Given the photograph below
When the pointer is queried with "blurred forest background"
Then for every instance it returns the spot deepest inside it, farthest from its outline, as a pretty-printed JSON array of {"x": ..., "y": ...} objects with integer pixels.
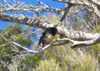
[{"x": 56, "y": 58}]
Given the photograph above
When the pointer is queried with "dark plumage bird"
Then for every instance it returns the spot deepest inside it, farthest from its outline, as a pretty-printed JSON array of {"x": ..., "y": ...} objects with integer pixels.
[{"x": 48, "y": 36}]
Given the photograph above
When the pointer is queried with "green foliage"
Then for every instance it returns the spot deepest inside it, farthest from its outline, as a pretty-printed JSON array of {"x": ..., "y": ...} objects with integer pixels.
[
  {"x": 17, "y": 34},
  {"x": 51, "y": 19},
  {"x": 13, "y": 33},
  {"x": 81, "y": 61},
  {"x": 12, "y": 30},
  {"x": 20, "y": 69},
  {"x": 96, "y": 49},
  {"x": 48, "y": 65},
  {"x": 31, "y": 60},
  {"x": 59, "y": 58},
  {"x": 25, "y": 41},
  {"x": 70, "y": 59}
]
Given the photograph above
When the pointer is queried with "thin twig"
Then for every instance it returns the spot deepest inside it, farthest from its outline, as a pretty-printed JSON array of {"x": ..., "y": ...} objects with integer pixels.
[{"x": 8, "y": 41}]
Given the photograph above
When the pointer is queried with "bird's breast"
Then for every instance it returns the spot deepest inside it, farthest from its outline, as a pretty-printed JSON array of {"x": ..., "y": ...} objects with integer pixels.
[{"x": 50, "y": 38}]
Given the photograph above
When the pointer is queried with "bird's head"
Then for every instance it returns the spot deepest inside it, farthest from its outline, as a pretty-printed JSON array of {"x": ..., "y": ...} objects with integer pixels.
[{"x": 52, "y": 30}]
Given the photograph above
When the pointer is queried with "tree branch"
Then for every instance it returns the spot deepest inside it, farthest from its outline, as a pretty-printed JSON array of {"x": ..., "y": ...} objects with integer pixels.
[
  {"x": 28, "y": 8},
  {"x": 75, "y": 35},
  {"x": 60, "y": 42},
  {"x": 8, "y": 41},
  {"x": 66, "y": 10},
  {"x": 92, "y": 4}
]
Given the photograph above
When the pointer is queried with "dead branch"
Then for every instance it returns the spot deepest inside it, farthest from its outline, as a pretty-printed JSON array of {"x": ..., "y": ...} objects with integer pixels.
[
  {"x": 60, "y": 42},
  {"x": 75, "y": 35}
]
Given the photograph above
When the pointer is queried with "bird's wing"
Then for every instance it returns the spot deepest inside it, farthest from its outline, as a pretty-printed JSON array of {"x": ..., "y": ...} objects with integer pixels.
[
  {"x": 43, "y": 34},
  {"x": 40, "y": 40}
]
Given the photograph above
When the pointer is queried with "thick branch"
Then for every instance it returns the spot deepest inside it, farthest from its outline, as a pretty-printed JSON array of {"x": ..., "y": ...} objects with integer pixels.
[
  {"x": 80, "y": 43},
  {"x": 76, "y": 35},
  {"x": 92, "y": 4},
  {"x": 66, "y": 10},
  {"x": 60, "y": 42}
]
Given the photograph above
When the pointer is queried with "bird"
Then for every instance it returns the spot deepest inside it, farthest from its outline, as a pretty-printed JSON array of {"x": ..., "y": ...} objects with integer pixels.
[{"x": 48, "y": 36}]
